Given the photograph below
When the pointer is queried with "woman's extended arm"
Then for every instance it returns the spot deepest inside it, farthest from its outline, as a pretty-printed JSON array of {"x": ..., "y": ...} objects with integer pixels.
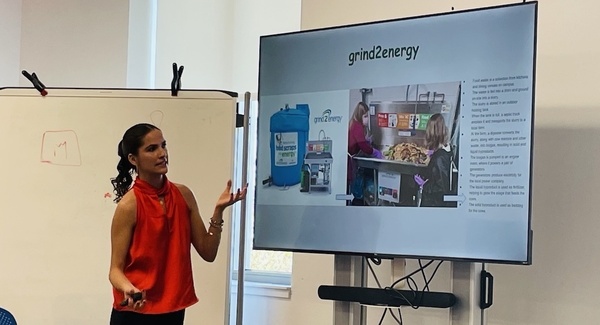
[
  {"x": 357, "y": 133},
  {"x": 206, "y": 241}
]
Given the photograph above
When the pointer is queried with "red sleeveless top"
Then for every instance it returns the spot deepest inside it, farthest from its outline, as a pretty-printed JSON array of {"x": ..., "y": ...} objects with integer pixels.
[{"x": 159, "y": 260}]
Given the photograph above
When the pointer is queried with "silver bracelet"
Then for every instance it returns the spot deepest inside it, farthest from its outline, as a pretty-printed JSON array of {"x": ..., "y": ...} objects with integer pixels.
[{"x": 216, "y": 224}]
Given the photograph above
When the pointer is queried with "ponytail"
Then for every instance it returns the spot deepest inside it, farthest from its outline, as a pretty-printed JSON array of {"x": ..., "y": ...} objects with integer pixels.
[
  {"x": 122, "y": 182},
  {"x": 132, "y": 141}
]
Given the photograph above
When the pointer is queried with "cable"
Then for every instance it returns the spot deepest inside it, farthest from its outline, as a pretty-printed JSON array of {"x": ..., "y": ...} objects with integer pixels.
[
  {"x": 382, "y": 316},
  {"x": 411, "y": 274},
  {"x": 409, "y": 283},
  {"x": 373, "y": 272},
  {"x": 434, "y": 271},
  {"x": 375, "y": 260},
  {"x": 412, "y": 284},
  {"x": 399, "y": 319},
  {"x": 424, "y": 276},
  {"x": 427, "y": 281}
]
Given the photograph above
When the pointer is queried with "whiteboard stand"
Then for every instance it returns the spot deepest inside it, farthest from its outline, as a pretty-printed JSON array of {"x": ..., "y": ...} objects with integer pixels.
[
  {"x": 66, "y": 141},
  {"x": 466, "y": 285},
  {"x": 349, "y": 271},
  {"x": 239, "y": 319}
]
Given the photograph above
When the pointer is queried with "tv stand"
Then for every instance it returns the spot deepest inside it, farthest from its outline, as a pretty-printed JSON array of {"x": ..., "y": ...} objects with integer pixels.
[{"x": 387, "y": 296}]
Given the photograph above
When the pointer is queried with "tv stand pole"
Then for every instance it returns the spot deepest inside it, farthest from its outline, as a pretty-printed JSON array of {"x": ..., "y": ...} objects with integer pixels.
[
  {"x": 467, "y": 281},
  {"x": 349, "y": 271}
]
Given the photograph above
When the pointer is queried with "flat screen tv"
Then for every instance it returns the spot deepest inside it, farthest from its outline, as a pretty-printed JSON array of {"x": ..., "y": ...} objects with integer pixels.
[{"x": 400, "y": 138}]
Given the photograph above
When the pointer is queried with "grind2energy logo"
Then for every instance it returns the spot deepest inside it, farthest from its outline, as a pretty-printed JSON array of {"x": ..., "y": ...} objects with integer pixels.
[
  {"x": 379, "y": 52},
  {"x": 326, "y": 117}
]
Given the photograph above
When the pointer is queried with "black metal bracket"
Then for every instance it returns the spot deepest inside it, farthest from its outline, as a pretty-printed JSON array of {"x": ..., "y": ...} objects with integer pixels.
[
  {"x": 239, "y": 120},
  {"x": 33, "y": 78},
  {"x": 176, "y": 82},
  {"x": 486, "y": 290}
]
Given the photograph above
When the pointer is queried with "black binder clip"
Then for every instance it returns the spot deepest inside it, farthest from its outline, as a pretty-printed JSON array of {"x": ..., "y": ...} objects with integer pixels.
[
  {"x": 36, "y": 82},
  {"x": 176, "y": 83}
]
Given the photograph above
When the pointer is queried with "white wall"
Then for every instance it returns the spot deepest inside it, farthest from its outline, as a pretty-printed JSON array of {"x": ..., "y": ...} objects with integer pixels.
[
  {"x": 85, "y": 44},
  {"x": 304, "y": 306},
  {"x": 252, "y": 19},
  {"x": 219, "y": 49},
  {"x": 560, "y": 287},
  {"x": 197, "y": 35},
  {"x": 141, "y": 49},
  {"x": 73, "y": 43},
  {"x": 10, "y": 42},
  {"x": 217, "y": 41}
]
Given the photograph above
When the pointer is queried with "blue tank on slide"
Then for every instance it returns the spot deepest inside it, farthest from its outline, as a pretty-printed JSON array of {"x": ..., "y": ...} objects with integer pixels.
[{"x": 289, "y": 134}]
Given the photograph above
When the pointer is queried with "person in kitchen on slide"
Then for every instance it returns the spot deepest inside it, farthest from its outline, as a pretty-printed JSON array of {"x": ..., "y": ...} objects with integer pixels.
[
  {"x": 154, "y": 226},
  {"x": 435, "y": 181},
  {"x": 359, "y": 144}
]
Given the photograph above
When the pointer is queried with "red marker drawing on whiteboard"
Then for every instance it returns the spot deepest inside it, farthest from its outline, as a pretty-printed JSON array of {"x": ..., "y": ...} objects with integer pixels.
[{"x": 60, "y": 148}]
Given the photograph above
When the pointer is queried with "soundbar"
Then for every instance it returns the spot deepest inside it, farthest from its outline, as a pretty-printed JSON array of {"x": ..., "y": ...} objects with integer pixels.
[{"x": 387, "y": 296}]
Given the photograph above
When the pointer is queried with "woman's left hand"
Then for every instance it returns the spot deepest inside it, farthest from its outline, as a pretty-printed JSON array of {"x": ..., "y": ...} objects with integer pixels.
[
  {"x": 420, "y": 181},
  {"x": 228, "y": 198}
]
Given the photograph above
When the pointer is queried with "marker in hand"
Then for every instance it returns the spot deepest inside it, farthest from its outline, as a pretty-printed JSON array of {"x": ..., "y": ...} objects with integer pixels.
[{"x": 136, "y": 296}]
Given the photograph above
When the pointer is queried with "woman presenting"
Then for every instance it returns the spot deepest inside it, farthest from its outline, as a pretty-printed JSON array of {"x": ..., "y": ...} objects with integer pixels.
[{"x": 154, "y": 226}]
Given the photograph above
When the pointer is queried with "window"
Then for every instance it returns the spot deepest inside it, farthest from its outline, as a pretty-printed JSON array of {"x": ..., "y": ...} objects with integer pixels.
[
  {"x": 262, "y": 267},
  {"x": 270, "y": 261}
]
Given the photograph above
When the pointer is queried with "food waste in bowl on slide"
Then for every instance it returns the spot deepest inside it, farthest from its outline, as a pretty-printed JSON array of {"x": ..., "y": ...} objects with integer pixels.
[{"x": 407, "y": 152}]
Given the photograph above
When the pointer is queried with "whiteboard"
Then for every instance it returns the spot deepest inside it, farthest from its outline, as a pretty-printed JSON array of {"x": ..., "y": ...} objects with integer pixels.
[{"x": 60, "y": 152}]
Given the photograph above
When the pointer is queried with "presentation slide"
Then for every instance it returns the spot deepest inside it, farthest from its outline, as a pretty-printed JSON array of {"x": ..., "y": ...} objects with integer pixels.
[{"x": 409, "y": 137}]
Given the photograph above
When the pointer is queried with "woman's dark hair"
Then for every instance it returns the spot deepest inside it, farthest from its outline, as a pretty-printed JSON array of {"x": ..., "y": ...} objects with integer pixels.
[{"x": 130, "y": 144}]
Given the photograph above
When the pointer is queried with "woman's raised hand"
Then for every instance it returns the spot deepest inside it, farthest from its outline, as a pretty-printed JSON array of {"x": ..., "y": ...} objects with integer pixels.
[{"x": 228, "y": 198}]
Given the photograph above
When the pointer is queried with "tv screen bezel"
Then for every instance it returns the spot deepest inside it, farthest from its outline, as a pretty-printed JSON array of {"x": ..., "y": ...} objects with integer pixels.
[{"x": 528, "y": 261}]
